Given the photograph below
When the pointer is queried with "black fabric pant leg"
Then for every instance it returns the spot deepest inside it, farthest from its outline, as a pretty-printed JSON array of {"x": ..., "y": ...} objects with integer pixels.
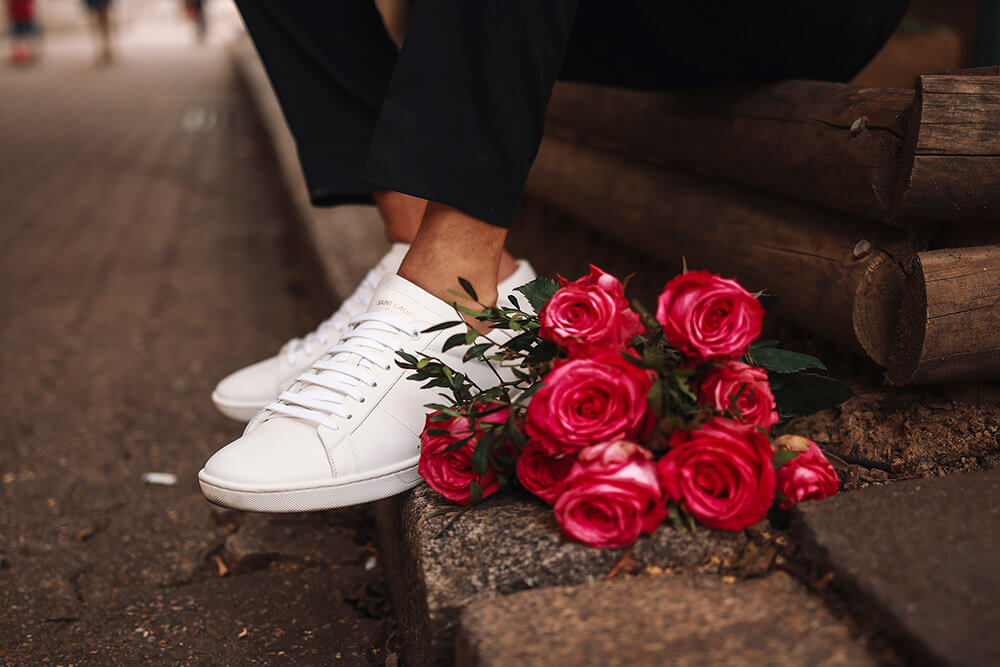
[
  {"x": 657, "y": 45},
  {"x": 330, "y": 63},
  {"x": 464, "y": 114}
]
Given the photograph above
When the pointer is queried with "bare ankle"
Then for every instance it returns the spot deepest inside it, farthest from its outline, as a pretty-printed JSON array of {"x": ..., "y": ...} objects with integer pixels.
[{"x": 401, "y": 214}]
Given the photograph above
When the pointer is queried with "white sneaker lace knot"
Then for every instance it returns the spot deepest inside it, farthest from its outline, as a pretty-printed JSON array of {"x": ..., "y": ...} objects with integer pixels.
[
  {"x": 331, "y": 328},
  {"x": 369, "y": 343}
]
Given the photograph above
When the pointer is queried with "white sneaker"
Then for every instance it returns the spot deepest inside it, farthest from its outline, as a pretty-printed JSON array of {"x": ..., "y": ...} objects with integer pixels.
[
  {"x": 246, "y": 392},
  {"x": 348, "y": 432}
]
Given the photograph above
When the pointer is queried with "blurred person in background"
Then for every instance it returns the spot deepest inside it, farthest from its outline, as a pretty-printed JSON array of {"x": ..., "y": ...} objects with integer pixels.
[
  {"x": 24, "y": 31},
  {"x": 100, "y": 13}
]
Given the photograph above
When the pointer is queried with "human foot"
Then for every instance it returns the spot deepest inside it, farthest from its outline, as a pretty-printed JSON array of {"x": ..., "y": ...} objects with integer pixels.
[
  {"x": 348, "y": 431},
  {"x": 243, "y": 394}
]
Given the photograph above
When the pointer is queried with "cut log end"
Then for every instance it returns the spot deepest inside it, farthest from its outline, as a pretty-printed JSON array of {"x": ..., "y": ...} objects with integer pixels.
[
  {"x": 949, "y": 325},
  {"x": 876, "y": 303},
  {"x": 911, "y": 329}
]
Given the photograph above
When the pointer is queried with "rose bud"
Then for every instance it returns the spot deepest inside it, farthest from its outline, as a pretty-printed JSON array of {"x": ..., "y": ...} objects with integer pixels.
[
  {"x": 733, "y": 378},
  {"x": 542, "y": 473},
  {"x": 451, "y": 473},
  {"x": 722, "y": 472},
  {"x": 589, "y": 313},
  {"x": 809, "y": 476},
  {"x": 611, "y": 496},
  {"x": 790, "y": 443},
  {"x": 583, "y": 401},
  {"x": 709, "y": 317}
]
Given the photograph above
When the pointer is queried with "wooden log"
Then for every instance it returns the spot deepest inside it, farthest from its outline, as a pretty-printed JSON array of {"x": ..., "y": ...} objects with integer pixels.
[
  {"x": 834, "y": 276},
  {"x": 828, "y": 144},
  {"x": 951, "y": 171},
  {"x": 949, "y": 324}
]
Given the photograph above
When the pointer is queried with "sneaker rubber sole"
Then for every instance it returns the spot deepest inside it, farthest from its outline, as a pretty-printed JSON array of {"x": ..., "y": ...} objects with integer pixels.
[{"x": 354, "y": 492}]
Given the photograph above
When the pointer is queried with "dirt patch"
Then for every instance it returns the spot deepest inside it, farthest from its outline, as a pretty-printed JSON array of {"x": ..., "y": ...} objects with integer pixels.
[{"x": 889, "y": 434}]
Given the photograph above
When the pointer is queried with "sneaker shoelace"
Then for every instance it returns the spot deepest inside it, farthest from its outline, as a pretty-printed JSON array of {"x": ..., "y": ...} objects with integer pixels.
[
  {"x": 331, "y": 328},
  {"x": 369, "y": 342}
]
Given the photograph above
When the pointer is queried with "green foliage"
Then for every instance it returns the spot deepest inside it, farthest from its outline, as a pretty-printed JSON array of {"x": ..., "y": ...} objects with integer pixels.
[
  {"x": 538, "y": 292},
  {"x": 782, "y": 457},
  {"x": 782, "y": 361},
  {"x": 806, "y": 393}
]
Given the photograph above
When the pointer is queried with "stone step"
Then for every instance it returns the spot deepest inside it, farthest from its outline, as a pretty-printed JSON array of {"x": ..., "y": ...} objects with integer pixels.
[
  {"x": 507, "y": 544},
  {"x": 658, "y": 620},
  {"x": 918, "y": 560}
]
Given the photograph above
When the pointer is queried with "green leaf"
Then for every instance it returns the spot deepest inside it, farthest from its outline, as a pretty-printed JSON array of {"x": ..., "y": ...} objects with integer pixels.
[
  {"x": 767, "y": 300},
  {"x": 467, "y": 287},
  {"x": 475, "y": 492},
  {"x": 407, "y": 357},
  {"x": 784, "y": 361},
  {"x": 763, "y": 342},
  {"x": 453, "y": 341},
  {"x": 442, "y": 326},
  {"x": 481, "y": 455},
  {"x": 476, "y": 351},
  {"x": 538, "y": 292},
  {"x": 808, "y": 393},
  {"x": 513, "y": 301},
  {"x": 782, "y": 457},
  {"x": 458, "y": 444}
]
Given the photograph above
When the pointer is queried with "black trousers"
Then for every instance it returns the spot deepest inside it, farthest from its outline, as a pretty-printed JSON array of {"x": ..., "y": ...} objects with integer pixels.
[{"x": 457, "y": 116}]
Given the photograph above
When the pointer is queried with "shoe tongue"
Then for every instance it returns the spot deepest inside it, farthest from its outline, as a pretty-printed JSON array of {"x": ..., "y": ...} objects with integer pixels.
[{"x": 399, "y": 296}]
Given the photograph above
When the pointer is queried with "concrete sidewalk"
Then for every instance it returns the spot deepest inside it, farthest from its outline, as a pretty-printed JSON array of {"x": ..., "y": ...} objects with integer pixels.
[{"x": 142, "y": 257}]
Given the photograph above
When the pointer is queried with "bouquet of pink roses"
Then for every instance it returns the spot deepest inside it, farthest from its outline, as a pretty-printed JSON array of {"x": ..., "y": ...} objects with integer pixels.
[{"x": 621, "y": 420}]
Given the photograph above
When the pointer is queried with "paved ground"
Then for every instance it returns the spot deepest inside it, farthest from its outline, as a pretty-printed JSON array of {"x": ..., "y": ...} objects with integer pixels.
[{"x": 142, "y": 258}]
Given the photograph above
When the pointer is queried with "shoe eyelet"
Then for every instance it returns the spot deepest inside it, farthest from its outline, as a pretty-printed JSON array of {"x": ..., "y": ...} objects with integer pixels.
[
  {"x": 415, "y": 335},
  {"x": 362, "y": 400},
  {"x": 374, "y": 384}
]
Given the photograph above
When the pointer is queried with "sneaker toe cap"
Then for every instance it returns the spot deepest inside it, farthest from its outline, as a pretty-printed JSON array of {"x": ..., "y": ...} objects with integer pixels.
[
  {"x": 277, "y": 455},
  {"x": 259, "y": 383}
]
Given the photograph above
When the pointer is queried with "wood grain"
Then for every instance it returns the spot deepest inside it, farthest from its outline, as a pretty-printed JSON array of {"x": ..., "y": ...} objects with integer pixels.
[
  {"x": 828, "y": 144},
  {"x": 806, "y": 256},
  {"x": 949, "y": 325}
]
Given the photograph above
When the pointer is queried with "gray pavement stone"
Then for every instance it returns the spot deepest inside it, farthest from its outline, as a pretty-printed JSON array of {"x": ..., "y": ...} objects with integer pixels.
[
  {"x": 918, "y": 560},
  {"x": 505, "y": 545},
  {"x": 142, "y": 258},
  {"x": 659, "y": 620}
]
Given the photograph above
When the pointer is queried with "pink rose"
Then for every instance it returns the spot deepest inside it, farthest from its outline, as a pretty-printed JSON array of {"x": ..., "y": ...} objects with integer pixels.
[
  {"x": 589, "y": 313},
  {"x": 707, "y": 316},
  {"x": 542, "y": 473},
  {"x": 585, "y": 401},
  {"x": 809, "y": 476},
  {"x": 756, "y": 402},
  {"x": 722, "y": 472},
  {"x": 451, "y": 473},
  {"x": 611, "y": 496}
]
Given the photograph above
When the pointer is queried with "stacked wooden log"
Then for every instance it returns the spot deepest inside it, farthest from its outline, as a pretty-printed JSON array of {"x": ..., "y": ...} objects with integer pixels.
[{"x": 828, "y": 195}]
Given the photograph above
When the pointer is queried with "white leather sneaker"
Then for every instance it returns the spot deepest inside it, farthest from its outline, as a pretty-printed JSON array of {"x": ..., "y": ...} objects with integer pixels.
[
  {"x": 348, "y": 431},
  {"x": 246, "y": 392}
]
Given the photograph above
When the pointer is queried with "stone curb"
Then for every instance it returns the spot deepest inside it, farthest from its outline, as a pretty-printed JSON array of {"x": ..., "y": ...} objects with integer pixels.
[
  {"x": 915, "y": 562},
  {"x": 686, "y": 619}
]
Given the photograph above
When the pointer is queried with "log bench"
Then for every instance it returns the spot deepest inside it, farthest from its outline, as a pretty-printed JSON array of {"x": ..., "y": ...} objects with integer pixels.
[{"x": 824, "y": 194}]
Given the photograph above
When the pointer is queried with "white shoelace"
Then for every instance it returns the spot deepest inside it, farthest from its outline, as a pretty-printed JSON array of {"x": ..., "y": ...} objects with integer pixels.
[
  {"x": 330, "y": 329},
  {"x": 369, "y": 342}
]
